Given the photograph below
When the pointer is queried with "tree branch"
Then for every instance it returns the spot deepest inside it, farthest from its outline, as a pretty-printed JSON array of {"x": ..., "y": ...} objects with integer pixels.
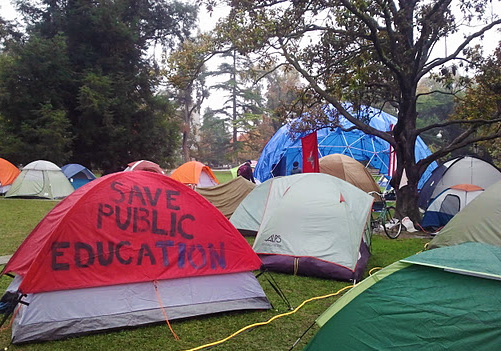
[
  {"x": 437, "y": 62},
  {"x": 329, "y": 98},
  {"x": 476, "y": 122}
]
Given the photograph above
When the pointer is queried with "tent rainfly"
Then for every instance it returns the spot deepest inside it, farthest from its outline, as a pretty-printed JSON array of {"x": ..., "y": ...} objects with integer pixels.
[
  {"x": 309, "y": 224},
  {"x": 346, "y": 168},
  {"x": 226, "y": 197},
  {"x": 479, "y": 221},
  {"x": 194, "y": 174},
  {"x": 460, "y": 170},
  {"x": 448, "y": 203},
  {"x": 144, "y": 165},
  {"x": 442, "y": 299},
  {"x": 284, "y": 147},
  {"x": 124, "y": 250},
  {"x": 8, "y": 173},
  {"x": 41, "y": 179},
  {"x": 77, "y": 174}
]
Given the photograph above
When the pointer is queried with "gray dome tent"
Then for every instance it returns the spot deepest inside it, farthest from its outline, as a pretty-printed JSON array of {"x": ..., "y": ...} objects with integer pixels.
[
  {"x": 460, "y": 170},
  {"x": 309, "y": 224},
  {"x": 41, "y": 179}
]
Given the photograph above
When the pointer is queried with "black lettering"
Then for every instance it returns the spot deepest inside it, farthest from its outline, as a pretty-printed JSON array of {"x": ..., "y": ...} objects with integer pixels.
[
  {"x": 170, "y": 199},
  {"x": 180, "y": 228},
  {"x": 119, "y": 256},
  {"x": 114, "y": 186},
  {"x": 173, "y": 220},
  {"x": 201, "y": 251},
  {"x": 58, "y": 266},
  {"x": 119, "y": 223},
  {"x": 136, "y": 192},
  {"x": 101, "y": 212},
  {"x": 181, "y": 258},
  {"x": 80, "y": 250},
  {"x": 145, "y": 251},
  {"x": 105, "y": 261},
  {"x": 217, "y": 257},
  {"x": 164, "y": 245},
  {"x": 154, "y": 224},
  {"x": 142, "y": 218},
  {"x": 152, "y": 201}
]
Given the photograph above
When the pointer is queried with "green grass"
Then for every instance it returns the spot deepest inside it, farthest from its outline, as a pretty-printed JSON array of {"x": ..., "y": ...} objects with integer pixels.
[
  {"x": 223, "y": 176},
  {"x": 19, "y": 217}
]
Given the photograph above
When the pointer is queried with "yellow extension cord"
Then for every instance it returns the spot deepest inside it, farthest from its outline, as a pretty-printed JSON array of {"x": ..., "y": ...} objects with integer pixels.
[{"x": 271, "y": 319}]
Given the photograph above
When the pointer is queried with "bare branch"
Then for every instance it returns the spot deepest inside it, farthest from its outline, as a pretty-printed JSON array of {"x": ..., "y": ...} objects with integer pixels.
[
  {"x": 476, "y": 122},
  {"x": 437, "y": 62}
]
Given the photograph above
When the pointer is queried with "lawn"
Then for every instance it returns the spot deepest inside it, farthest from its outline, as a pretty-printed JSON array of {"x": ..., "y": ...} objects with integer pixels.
[{"x": 19, "y": 217}]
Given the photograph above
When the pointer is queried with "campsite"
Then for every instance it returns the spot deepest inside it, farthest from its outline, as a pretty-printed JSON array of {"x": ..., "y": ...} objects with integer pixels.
[
  {"x": 250, "y": 175},
  {"x": 22, "y": 215}
]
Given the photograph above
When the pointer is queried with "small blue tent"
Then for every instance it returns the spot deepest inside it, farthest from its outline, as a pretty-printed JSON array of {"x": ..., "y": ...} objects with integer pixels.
[
  {"x": 77, "y": 174},
  {"x": 285, "y": 147}
]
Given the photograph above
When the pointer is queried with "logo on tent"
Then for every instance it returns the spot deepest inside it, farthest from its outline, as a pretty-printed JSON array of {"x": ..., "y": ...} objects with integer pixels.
[{"x": 275, "y": 238}]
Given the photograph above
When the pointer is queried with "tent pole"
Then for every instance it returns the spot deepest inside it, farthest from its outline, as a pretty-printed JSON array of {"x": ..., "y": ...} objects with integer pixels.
[
  {"x": 299, "y": 339},
  {"x": 275, "y": 287}
]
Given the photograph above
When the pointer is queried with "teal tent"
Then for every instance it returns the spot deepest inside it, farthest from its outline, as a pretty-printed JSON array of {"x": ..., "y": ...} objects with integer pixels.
[{"x": 443, "y": 299}]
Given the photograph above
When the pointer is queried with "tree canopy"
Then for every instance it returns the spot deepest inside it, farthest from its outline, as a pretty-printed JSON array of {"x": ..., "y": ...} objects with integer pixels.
[
  {"x": 81, "y": 85},
  {"x": 369, "y": 53}
]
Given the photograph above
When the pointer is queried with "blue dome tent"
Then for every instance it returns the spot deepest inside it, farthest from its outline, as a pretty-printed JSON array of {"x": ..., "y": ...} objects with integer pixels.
[
  {"x": 285, "y": 147},
  {"x": 77, "y": 174}
]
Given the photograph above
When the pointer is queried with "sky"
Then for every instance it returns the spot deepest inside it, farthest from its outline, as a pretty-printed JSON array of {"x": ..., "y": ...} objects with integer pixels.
[{"x": 208, "y": 21}]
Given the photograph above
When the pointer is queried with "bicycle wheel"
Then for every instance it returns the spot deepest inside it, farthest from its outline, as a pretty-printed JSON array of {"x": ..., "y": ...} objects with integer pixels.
[{"x": 392, "y": 223}]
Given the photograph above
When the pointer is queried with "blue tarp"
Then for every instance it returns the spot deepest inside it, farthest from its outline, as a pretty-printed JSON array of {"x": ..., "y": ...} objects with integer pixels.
[{"x": 286, "y": 146}]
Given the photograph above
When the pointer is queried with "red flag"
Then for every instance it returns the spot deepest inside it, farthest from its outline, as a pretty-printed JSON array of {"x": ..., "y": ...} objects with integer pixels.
[{"x": 310, "y": 153}]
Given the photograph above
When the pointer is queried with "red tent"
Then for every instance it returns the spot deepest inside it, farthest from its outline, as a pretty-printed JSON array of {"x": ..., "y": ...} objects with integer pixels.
[
  {"x": 128, "y": 229},
  {"x": 144, "y": 165}
]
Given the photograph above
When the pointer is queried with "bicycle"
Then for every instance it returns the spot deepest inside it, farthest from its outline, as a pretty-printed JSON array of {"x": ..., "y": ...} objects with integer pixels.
[{"x": 385, "y": 216}]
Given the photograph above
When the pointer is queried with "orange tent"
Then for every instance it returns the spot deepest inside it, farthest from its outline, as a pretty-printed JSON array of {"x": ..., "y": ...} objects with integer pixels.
[
  {"x": 194, "y": 173},
  {"x": 8, "y": 172}
]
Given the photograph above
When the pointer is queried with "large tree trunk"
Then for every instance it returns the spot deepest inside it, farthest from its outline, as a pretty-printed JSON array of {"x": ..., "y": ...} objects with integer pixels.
[{"x": 407, "y": 177}]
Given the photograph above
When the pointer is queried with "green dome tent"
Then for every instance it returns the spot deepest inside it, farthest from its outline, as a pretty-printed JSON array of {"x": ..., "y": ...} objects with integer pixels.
[
  {"x": 41, "y": 179},
  {"x": 442, "y": 299},
  {"x": 309, "y": 224}
]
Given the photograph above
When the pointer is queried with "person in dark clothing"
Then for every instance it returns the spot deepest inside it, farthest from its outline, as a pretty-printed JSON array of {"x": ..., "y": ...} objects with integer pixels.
[
  {"x": 295, "y": 168},
  {"x": 245, "y": 171}
]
